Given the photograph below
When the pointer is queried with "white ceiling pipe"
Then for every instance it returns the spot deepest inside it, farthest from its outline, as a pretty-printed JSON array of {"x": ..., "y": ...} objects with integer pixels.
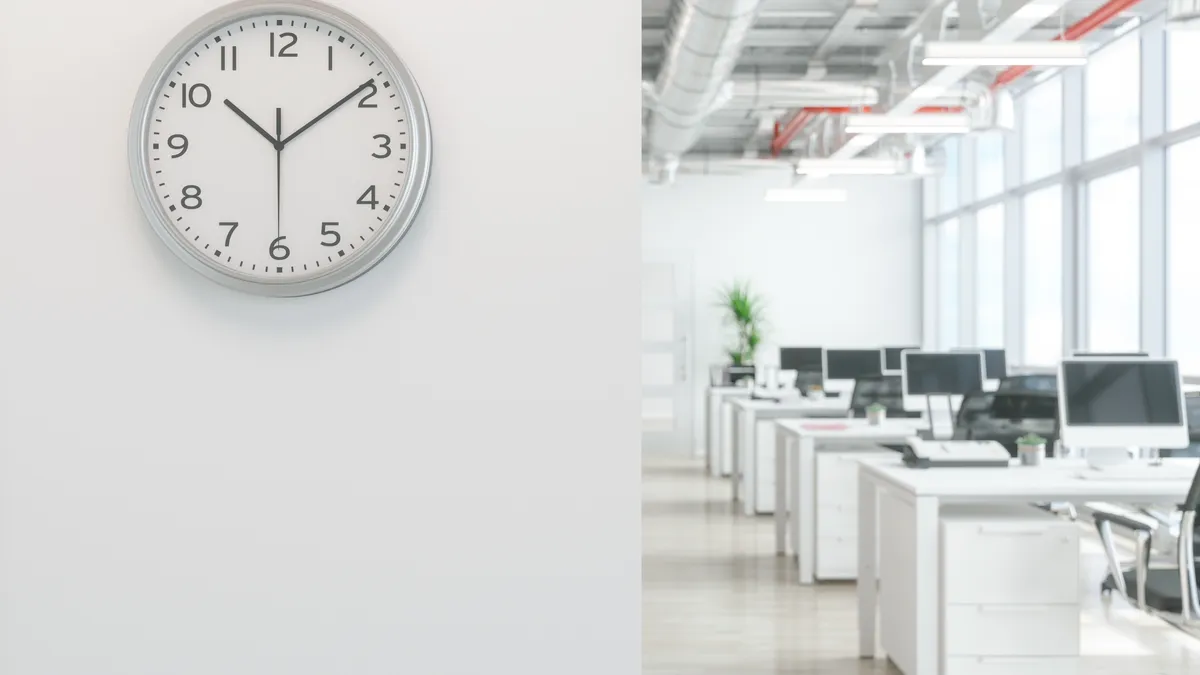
[{"x": 1016, "y": 19}]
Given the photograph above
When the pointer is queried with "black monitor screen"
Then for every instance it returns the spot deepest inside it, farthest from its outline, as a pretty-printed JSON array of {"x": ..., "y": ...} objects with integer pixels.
[
  {"x": 851, "y": 364},
  {"x": 891, "y": 358},
  {"x": 995, "y": 363},
  {"x": 943, "y": 373},
  {"x": 801, "y": 359},
  {"x": 1115, "y": 393}
]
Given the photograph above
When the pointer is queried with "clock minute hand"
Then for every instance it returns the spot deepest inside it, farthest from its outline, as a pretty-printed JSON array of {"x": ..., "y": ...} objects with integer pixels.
[
  {"x": 275, "y": 143},
  {"x": 331, "y": 108}
]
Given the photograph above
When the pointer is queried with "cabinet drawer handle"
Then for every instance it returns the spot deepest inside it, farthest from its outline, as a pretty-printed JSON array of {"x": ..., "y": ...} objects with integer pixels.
[
  {"x": 1013, "y": 532},
  {"x": 1013, "y": 609}
]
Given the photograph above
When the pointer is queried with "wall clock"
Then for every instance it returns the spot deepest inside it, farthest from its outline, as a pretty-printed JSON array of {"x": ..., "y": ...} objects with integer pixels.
[{"x": 279, "y": 148}]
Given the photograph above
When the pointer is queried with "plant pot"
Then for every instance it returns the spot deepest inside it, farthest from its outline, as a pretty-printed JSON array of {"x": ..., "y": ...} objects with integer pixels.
[
  {"x": 876, "y": 417},
  {"x": 1031, "y": 455}
]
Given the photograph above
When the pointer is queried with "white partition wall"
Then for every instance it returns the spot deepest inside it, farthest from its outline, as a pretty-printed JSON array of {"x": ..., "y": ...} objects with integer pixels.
[{"x": 195, "y": 481}]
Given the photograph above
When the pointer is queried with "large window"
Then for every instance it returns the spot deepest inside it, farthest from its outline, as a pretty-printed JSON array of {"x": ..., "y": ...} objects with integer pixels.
[
  {"x": 1112, "y": 97},
  {"x": 1183, "y": 96},
  {"x": 1113, "y": 288},
  {"x": 989, "y": 277},
  {"x": 1041, "y": 272},
  {"x": 1183, "y": 239},
  {"x": 989, "y": 164},
  {"x": 948, "y": 188},
  {"x": 948, "y": 283},
  {"x": 1041, "y": 129}
]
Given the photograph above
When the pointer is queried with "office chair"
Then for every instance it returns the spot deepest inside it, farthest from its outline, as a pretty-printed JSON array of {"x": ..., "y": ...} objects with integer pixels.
[
  {"x": 1029, "y": 383},
  {"x": 1165, "y": 590},
  {"x": 975, "y": 407},
  {"x": 1191, "y": 403},
  {"x": 885, "y": 390}
]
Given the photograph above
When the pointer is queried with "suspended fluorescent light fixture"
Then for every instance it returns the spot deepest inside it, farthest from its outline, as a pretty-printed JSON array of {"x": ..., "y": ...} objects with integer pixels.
[
  {"x": 864, "y": 166},
  {"x": 923, "y": 123},
  {"x": 1039, "y": 9},
  {"x": 1053, "y": 53},
  {"x": 809, "y": 195}
]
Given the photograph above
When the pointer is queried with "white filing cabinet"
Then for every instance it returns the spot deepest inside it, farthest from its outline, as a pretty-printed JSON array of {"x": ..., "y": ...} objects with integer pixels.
[
  {"x": 837, "y": 510},
  {"x": 1009, "y": 596}
]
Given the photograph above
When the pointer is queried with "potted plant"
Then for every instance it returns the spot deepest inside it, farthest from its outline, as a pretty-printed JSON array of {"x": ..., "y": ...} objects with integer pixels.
[
  {"x": 743, "y": 309},
  {"x": 1031, "y": 449},
  {"x": 876, "y": 413}
]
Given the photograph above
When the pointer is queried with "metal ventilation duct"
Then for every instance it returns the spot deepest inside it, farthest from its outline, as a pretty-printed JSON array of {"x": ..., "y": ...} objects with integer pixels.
[{"x": 703, "y": 42}]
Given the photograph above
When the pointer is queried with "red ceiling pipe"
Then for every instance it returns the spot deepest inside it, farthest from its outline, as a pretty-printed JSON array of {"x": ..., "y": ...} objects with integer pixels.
[
  {"x": 786, "y": 133},
  {"x": 845, "y": 110},
  {"x": 784, "y": 136},
  {"x": 1107, "y": 12}
]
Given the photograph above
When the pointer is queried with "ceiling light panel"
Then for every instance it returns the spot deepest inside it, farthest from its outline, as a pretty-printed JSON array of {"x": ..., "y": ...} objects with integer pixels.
[
  {"x": 1053, "y": 53},
  {"x": 922, "y": 123}
]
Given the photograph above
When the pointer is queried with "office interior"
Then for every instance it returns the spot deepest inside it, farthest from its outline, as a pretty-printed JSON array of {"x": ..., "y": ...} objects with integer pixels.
[{"x": 916, "y": 399}]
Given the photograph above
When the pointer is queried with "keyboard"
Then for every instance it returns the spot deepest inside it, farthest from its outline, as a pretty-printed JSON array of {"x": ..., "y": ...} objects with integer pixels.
[{"x": 1140, "y": 472}]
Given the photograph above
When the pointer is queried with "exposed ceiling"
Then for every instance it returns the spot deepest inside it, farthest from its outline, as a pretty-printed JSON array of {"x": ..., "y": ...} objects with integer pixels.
[{"x": 835, "y": 41}]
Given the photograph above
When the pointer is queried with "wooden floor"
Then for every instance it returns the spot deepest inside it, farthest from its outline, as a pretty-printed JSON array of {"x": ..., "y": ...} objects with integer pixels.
[{"x": 718, "y": 601}]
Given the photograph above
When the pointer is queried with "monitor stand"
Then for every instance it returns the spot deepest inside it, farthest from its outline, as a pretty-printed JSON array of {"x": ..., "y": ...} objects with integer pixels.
[
  {"x": 1097, "y": 457},
  {"x": 941, "y": 416}
]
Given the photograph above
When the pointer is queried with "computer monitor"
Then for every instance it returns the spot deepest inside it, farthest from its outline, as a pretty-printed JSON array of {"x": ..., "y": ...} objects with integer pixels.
[
  {"x": 734, "y": 375},
  {"x": 1121, "y": 402},
  {"x": 952, "y": 374},
  {"x": 851, "y": 364},
  {"x": 802, "y": 359},
  {"x": 1109, "y": 355},
  {"x": 892, "y": 363},
  {"x": 995, "y": 363}
]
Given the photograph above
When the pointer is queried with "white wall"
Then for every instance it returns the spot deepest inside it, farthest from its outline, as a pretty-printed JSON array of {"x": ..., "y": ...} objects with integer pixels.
[
  {"x": 375, "y": 480},
  {"x": 833, "y": 274}
]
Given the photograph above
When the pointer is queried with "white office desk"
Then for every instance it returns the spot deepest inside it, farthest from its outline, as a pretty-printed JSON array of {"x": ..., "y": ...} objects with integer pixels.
[
  {"x": 914, "y": 497},
  {"x": 754, "y": 444},
  {"x": 796, "y": 465},
  {"x": 715, "y": 428}
]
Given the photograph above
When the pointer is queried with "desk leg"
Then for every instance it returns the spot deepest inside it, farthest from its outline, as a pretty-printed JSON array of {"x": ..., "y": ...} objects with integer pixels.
[
  {"x": 735, "y": 474},
  {"x": 726, "y": 440},
  {"x": 782, "y": 441},
  {"x": 804, "y": 517},
  {"x": 925, "y": 586},
  {"x": 749, "y": 462},
  {"x": 708, "y": 434},
  {"x": 868, "y": 574}
]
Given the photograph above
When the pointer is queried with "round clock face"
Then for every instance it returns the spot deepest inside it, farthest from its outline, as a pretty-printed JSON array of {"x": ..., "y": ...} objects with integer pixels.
[{"x": 280, "y": 147}]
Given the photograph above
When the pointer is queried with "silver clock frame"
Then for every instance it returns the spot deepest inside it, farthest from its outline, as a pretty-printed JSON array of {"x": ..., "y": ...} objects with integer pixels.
[{"x": 401, "y": 217}]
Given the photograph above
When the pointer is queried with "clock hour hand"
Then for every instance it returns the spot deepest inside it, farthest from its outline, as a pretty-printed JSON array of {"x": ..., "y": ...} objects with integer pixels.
[
  {"x": 275, "y": 142},
  {"x": 335, "y": 106}
]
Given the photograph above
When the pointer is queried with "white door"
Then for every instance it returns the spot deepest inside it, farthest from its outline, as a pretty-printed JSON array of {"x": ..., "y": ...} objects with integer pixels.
[{"x": 666, "y": 351}]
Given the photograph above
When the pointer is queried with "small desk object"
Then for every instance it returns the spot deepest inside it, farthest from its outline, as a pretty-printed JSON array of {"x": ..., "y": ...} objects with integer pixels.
[
  {"x": 816, "y": 464},
  {"x": 923, "y": 454},
  {"x": 898, "y": 522},
  {"x": 754, "y": 444}
]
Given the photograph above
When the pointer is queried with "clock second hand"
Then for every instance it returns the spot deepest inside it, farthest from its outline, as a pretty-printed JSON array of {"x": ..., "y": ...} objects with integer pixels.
[{"x": 278, "y": 172}]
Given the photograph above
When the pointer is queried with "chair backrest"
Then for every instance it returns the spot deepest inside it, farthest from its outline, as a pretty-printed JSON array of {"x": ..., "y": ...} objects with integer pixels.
[
  {"x": 1192, "y": 500},
  {"x": 885, "y": 390},
  {"x": 1191, "y": 403},
  {"x": 974, "y": 406},
  {"x": 1016, "y": 413},
  {"x": 1029, "y": 383}
]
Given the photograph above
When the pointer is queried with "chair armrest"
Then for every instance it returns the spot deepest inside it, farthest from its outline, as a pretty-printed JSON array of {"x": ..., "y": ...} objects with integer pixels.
[{"x": 1121, "y": 520}]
